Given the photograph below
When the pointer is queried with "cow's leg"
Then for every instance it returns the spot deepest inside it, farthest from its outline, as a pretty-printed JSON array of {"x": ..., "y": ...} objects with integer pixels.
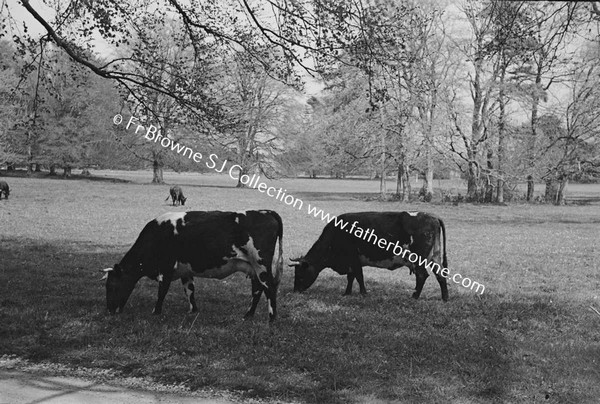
[
  {"x": 257, "y": 290},
  {"x": 163, "y": 288},
  {"x": 349, "y": 286},
  {"x": 188, "y": 287},
  {"x": 268, "y": 285},
  {"x": 422, "y": 275},
  {"x": 361, "y": 280},
  {"x": 355, "y": 272},
  {"x": 271, "y": 295},
  {"x": 443, "y": 286}
]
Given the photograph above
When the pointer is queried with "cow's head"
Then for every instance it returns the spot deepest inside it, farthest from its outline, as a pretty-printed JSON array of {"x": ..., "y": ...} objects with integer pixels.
[
  {"x": 305, "y": 274},
  {"x": 183, "y": 199},
  {"x": 119, "y": 285}
]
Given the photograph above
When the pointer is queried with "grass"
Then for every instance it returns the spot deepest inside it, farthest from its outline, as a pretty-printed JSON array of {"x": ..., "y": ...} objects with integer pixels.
[{"x": 531, "y": 337}]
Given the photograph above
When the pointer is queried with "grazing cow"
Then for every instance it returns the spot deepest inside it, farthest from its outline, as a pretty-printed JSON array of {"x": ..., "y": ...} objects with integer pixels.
[
  {"x": 177, "y": 194},
  {"x": 202, "y": 244},
  {"x": 344, "y": 247},
  {"x": 4, "y": 189}
]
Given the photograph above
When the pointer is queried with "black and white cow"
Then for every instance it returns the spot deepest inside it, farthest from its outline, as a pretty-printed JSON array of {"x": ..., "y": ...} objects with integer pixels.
[
  {"x": 4, "y": 189},
  {"x": 176, "y": 193},
  {"x": 376, "y": 239},
  {"x": 201, "y": 244}
]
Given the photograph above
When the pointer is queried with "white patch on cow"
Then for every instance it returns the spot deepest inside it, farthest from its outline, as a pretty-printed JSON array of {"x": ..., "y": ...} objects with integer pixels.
[
  {"x": 270, "y": 307},
  {"x": 237, "y": 220},
  {"x": 392, "y": 263},
  {"x": 239, "y": 261},
  {"x": 172, "y": 217},
  {"x": 411, "y": 240},
  {"x": 413, "y": 213},
  {"x": 188, "y": 292},
  {"x": 232, "y": 266},
  {"x": 160, "y": 277},
  {"x": 253, "y": 257}
]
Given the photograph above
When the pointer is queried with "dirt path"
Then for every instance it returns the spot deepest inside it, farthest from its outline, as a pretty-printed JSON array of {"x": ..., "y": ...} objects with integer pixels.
[
  {"x": 24, "y": 382},
  {"x": 23, "y": 387}
]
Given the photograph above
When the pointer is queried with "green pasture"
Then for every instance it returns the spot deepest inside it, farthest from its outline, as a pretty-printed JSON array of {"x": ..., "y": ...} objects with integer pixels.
[{"x": 531, "y": 337}]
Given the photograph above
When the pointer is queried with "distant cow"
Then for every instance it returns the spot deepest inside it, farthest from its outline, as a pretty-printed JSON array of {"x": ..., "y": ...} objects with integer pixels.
[
  {"x": 201, "y": 244},
  {"x": 343, "y": 248},
  {"x": 177, "y": 194},
  {"x": 4, "y": 189}
]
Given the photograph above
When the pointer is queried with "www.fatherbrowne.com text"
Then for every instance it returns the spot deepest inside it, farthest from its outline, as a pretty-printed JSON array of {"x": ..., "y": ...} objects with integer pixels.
[{"x": 151, "y": 133}]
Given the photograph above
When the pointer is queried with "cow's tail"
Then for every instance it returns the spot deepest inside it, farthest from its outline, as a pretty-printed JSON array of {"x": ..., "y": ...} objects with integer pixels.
[
  {"x": 168, "y": 196},
  {"x": 444, "y": 256},
  {"x": 279, "y": 262}
]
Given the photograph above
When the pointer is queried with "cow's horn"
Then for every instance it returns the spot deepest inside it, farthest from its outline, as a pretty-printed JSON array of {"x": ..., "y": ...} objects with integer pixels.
[
  {"x": 296, "y": 259},
  {"x": 107, "y": 270},
  {"x": 105, "y": 276}
]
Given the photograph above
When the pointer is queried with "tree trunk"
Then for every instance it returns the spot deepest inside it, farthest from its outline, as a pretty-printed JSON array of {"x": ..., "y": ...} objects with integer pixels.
[
  {"x": 489, "y": 183},
  {"x": 555, "y": 191},
  {"x": 157, "y": 171},
  {"x": 406, "y": 185},
  {"x": 239, "y": 184},
  {"x": 501, "y": 140},
  {"x": 66, "y": 171},
  {"x": 29, "y": 139},
  {"x": 533, "y": 140},
  {"x": 400, "y": 180},
  {"x": 473, "y": 182},
  {"x": 428, "y": 184},
  {"x": 52, "y": 170},
  {"x": 428, "y": 116},
  {"x": 382, "y": 179},
  {"x": 38, "y": 168}
]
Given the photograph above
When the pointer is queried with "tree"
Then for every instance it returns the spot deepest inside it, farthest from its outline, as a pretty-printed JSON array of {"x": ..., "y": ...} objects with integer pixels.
[
  {"x": 253, "y": 111},
  {"x": 572, "y": 148},
  {"x": 70, "y": 101},
  {"x": 10, "y": 109},
  {"x": 551, "y": 24}
]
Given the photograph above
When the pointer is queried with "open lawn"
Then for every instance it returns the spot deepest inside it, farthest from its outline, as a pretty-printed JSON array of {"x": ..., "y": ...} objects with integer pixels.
[{"x": 531, "y": 337}]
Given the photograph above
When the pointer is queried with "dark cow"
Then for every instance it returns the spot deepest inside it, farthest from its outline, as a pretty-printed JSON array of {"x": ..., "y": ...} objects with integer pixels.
[
  {"x": 177, "y": 194},
  {"x": 4, "y": 189},
  {"x": 375, "y": 239},
  {"x": 202, "y": 244}
]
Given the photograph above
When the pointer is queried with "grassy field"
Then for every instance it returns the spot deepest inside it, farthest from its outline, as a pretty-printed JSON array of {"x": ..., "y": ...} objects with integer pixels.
[{"x": 531, "y": 337}]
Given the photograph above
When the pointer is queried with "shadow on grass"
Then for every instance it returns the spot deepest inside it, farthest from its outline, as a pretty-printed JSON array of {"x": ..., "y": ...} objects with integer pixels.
[{"x": 323, "y": 348}]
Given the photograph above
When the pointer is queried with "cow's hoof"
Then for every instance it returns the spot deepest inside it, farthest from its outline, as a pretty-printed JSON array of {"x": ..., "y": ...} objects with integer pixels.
[
  {"x": 416, "y": 295},
  {"x": 156, "y": 312},
  {"x": 363, "y": 293},
  {"x": 347, "y": 294}
]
